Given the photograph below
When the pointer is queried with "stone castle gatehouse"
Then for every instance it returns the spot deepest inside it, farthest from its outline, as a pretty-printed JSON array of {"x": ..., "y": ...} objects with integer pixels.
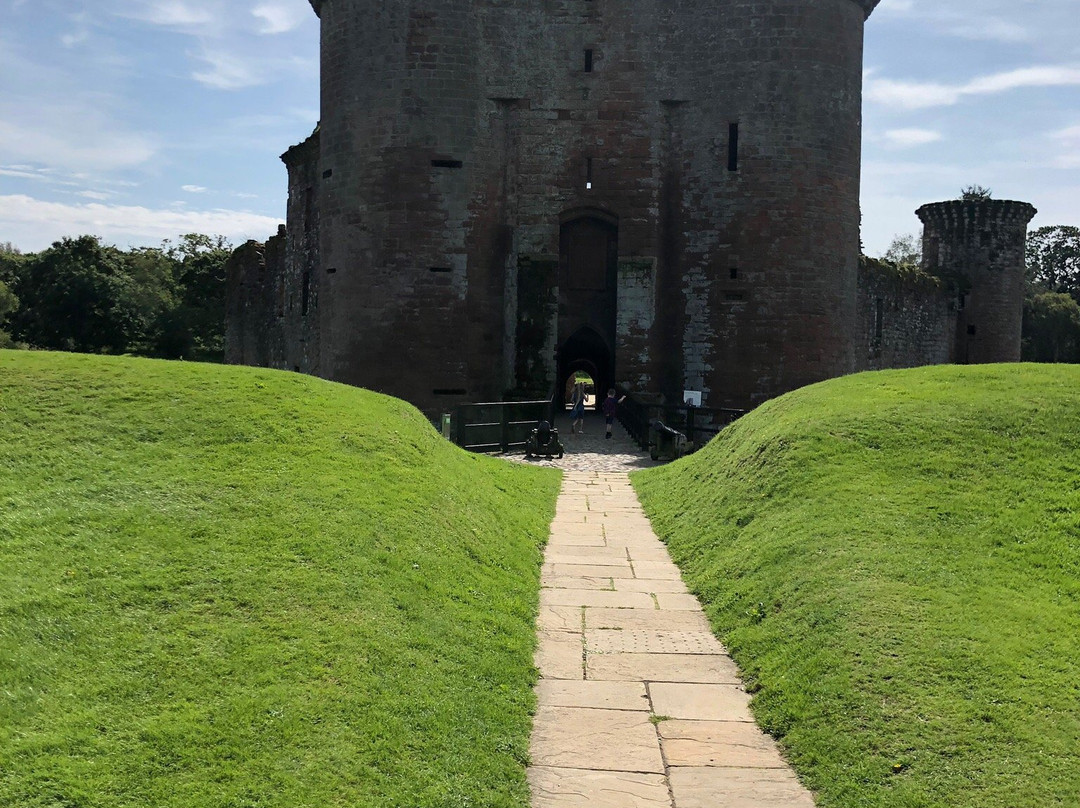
[{"x": 500, "y": 192}]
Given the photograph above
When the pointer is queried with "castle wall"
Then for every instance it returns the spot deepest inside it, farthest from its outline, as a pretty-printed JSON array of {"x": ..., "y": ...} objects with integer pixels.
[{"x": 906, "y": 318}]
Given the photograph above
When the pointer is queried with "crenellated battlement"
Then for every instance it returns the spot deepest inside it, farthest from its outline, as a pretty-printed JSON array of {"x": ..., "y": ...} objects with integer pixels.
[{"x": 961, "y": 214}]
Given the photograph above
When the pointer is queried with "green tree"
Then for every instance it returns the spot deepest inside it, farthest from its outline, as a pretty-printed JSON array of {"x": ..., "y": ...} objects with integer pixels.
[
  {"x": 975, "y": 193},
  {"x": 904, "y": 250},
  {"x": 195, "y": 327},
  {"x": 1051, "y": 328},
  {"x": 80, "y": 295},
  {"x": 1053, "y": 260},
  {"x": 8, "y": 304}
]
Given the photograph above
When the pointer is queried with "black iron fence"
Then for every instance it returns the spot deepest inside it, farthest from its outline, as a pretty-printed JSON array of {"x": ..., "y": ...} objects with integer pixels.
[
  {"x": 699, "y": 424},
  {"x": 498, "y": 426}
]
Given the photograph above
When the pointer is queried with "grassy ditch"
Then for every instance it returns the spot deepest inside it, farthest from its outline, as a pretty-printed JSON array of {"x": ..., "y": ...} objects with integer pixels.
[
  {"x": 894, "y": 561},
  {"x": 223, "y": 586}
]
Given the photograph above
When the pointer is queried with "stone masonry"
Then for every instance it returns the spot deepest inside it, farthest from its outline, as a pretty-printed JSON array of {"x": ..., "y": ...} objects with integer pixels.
[{"x": 502, "y": 192}]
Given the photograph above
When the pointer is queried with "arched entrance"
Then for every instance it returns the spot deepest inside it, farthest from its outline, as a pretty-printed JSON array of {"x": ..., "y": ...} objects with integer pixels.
[
  {"x": 586, "y": 350},
  {"x": 588, "y": 278}
]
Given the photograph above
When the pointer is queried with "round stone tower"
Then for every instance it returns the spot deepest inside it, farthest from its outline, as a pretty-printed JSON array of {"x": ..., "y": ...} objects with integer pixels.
[
  {"x": 771, "y": 213},
  {"x": 980, "y": 246},
  {"x": 665, "y": 194}
]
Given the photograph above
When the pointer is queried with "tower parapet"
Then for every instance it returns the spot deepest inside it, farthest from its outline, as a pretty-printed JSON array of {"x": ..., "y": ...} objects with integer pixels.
[
  {"x": 868, "y": 6},
  {"x": 980, "y": 245}
]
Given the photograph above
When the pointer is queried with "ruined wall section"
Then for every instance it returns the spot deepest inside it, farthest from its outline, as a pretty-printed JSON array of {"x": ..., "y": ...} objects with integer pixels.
[
  {"x": 979, "y": 246},
  {"x": 301, "y": 264},
  {"x": 255, "y": 303},
  {"x": 906, "y": 317}
]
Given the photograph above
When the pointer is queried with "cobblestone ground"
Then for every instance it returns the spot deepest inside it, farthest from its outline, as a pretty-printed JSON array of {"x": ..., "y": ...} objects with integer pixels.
[{"x": 591, "y": 451}]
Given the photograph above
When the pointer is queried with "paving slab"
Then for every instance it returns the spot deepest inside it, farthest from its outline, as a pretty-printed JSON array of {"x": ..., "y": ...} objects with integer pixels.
[
  {"x": 579, "y": 788},
  {"x": 711, "y": 787},
  {"x": 651, "y": 585},
  {"x": 622, "y": 570},
  {"x": 661, "y": 668},
  {"x": 718, "y": 743},
  {"x": 580, "y": 738},
  {"x": 570, "y": 582},
  {"x": 706, "y": 702},
  {"x": 645, "y": 641},
  {"x": 577, "y": 540},
  {"x": 650, "y": 618},
  {"x": 591, "y": 597},
  {"x": 559, "y": 618},
  {"x": 559, "y": 655},
  {"x": 599, "y": 556},
  {"x": 595, "y": 695}
]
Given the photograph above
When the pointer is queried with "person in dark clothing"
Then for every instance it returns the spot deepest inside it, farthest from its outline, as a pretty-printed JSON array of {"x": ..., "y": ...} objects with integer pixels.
[{"x": 609, "y": 407}]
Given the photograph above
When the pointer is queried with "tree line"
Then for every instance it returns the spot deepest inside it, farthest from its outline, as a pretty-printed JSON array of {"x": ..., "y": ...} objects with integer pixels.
[
  {"x": 85, "y": 296},
  {"x": 169, "y": 301}
]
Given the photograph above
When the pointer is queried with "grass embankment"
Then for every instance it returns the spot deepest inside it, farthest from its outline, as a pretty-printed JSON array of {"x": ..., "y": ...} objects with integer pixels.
[
  {"x": 894, "y": 561},
  {"x": 230, "y": 587}
]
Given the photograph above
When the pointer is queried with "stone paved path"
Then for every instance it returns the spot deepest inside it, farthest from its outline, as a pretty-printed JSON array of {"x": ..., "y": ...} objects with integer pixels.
[
  {"x": 591, "y": 451},
  {"x": 639, "y": 705}
]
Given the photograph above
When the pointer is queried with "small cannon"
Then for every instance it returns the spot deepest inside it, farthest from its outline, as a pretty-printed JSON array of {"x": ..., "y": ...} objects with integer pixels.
[
  {"x": 665, "y": 442},
  {"x": 544, "y": 440}
]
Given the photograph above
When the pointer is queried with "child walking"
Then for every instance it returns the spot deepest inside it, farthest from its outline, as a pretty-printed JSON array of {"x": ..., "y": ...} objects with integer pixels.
[{"x": 609, "y": 407}]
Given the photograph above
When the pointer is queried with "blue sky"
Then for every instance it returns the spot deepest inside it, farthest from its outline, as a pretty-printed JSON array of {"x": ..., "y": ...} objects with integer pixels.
[{"x": 139, "y": 120}]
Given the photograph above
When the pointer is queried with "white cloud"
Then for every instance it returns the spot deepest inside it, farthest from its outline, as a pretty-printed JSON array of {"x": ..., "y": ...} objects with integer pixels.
[
  {"x": 1069, "y": 133},
  {"x": 96, "y": 195},
  {"x": 96, "y": 143},
  {"x": 992, "y": 29},
  {"x": 920, "y": 95},
  {"x": 22, "y": 172},
  {"x": 909, "y": 138},
  {"x": 34, "y": 224},
  {"x": 1069, "y": 138},
  {"x": 228, "y": 71},
  {"x": 193, "y": 189},
  {"x": 170, "y": 13},
  {"x": 77, "y": 38},
  {"x": 279, "y": 18}
]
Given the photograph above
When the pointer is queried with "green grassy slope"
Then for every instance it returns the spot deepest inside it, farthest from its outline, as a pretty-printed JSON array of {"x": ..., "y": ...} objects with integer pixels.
[
  {"x": 230, "y": 587},
  {"x": 894, "y": 560}
]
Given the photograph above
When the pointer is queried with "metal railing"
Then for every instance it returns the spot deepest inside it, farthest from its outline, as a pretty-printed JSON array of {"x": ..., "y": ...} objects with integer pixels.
[
  {"x": 497, "y": 426},
  {"x": 699, "y": 424}
]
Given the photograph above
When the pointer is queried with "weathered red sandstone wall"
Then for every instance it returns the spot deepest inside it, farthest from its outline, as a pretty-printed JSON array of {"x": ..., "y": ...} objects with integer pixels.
[
  {"x": 462, "y": 140},
  {"x": 906, "y": 318}
]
